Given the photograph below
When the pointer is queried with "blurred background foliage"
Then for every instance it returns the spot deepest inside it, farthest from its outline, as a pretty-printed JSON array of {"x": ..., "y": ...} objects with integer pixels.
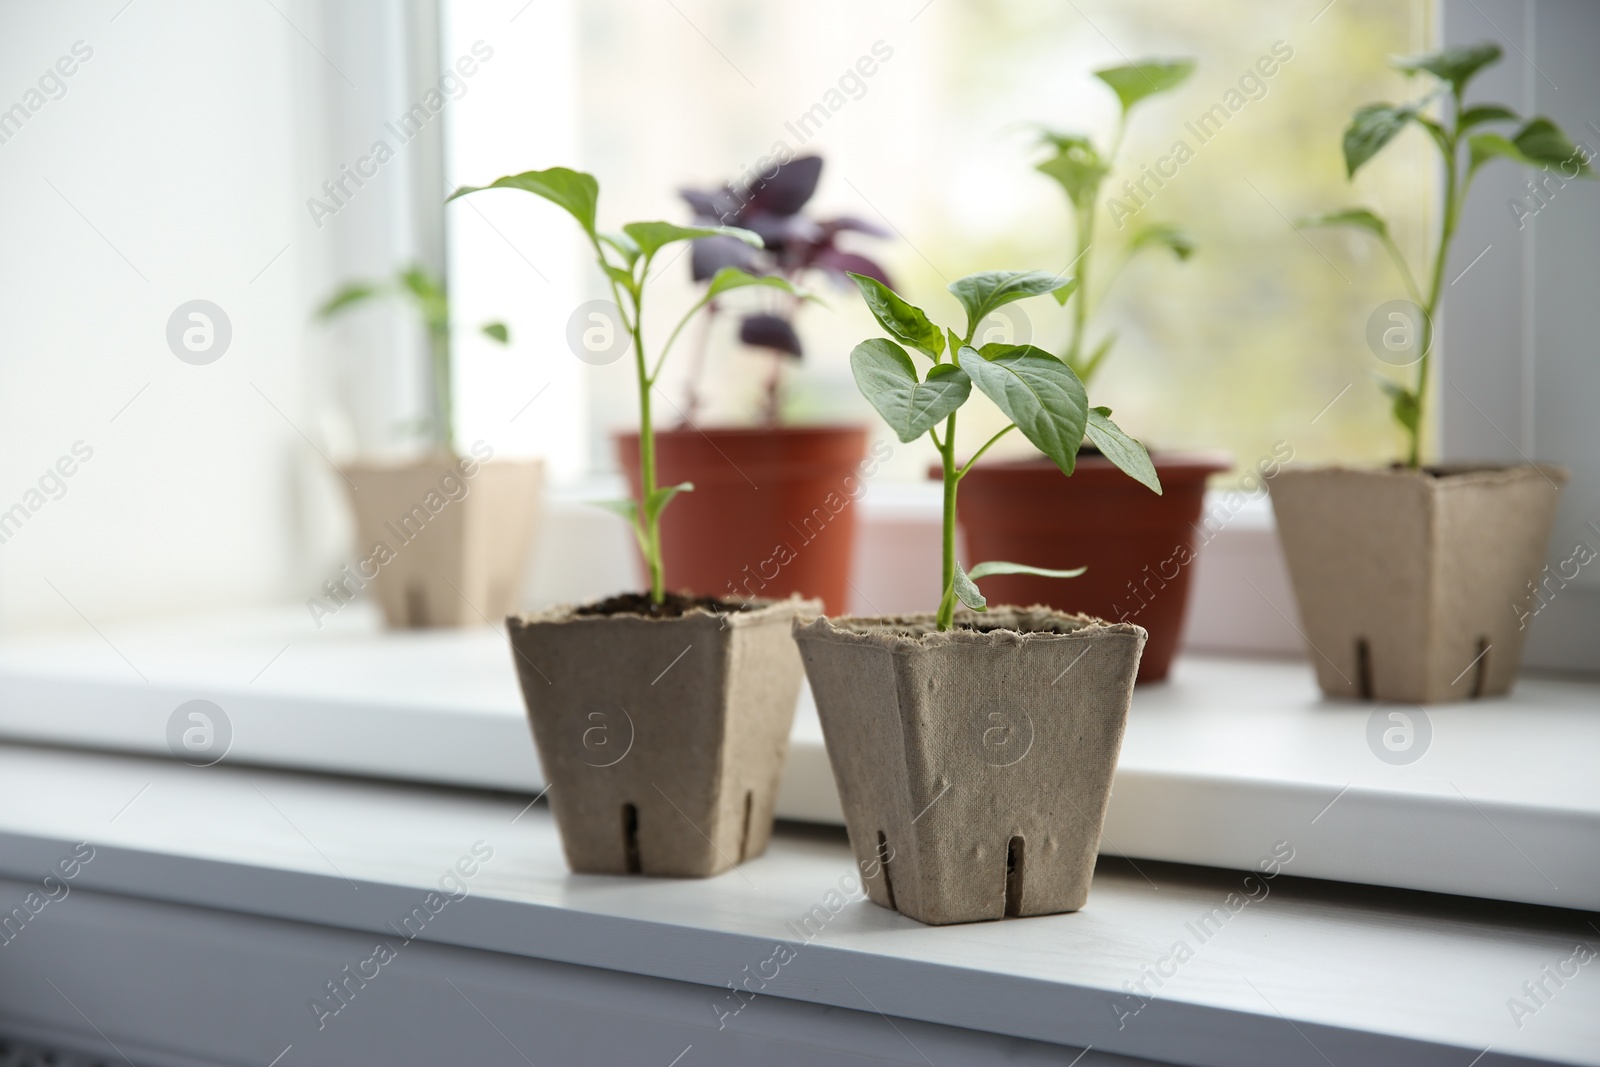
[{"x": 1246, "y": 344}]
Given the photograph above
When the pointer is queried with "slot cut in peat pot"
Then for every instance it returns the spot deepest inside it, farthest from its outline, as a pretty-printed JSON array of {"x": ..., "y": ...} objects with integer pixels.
[
  {"x": 744, "y": 838},
  {"x": 1014, "y": 876},
  {"x": 909, "y": 713},
  {"x": 1403, "y": 576},
  {"x": 683, "y": 718},
  {"x": 416, "y": 606},
  {"x": 1363, "y": 668},
  {"x": 1480, "y": 667},
  {"x": 883, "y": 865},
  {"x": 630, "y": 838}
]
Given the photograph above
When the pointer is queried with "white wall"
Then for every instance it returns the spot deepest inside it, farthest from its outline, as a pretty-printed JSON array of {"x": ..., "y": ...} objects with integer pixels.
[
  {"x": 172, "y": 151},
  {"x": 177, "y": 165}
]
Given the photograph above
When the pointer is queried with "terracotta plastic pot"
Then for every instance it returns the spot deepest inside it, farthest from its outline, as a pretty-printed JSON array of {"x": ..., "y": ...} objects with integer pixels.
[
  {"x": 974, "y": 766},
  {"x": 772, "y": 513},
  {"x": 444, "y": 540},
  {"x": 1416, "y": 586},
  {"x": 1138, "y": 546},
  {"x": 662, "y": 739}
]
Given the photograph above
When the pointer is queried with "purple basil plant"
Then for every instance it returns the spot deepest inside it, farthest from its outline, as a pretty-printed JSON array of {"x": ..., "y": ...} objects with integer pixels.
[{"x": 796, "y": 246}]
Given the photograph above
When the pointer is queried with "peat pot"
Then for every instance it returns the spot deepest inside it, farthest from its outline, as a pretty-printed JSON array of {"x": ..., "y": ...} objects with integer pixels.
[
  {"x": 772, "y": 513},
  {"x": 1409, "y": 581},
  {"x": 661, "y": 737},
  {"x": 443, "y": 540},
  {"x": 973, "y": 765},
  {"x": 1139, "y": 547}
]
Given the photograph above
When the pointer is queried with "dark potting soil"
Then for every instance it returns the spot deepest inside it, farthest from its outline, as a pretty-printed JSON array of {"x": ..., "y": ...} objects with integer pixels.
[
  {"x": 674, "y": 606},
  {"x": 989, "y": 628}
]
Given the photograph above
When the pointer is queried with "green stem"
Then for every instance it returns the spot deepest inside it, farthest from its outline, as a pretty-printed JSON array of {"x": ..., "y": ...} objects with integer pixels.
[
  {"x": 1447, "y": 229},
  {"x": 650, "y": 517},
  {"x": 1081, "y": 262},
  {"x": 947, "y": 454},
  {"x": 1080, "y": 307},
  {"x": 444, "y": 426},
  {"x": 673, "y": 336},
  {"x": 962, "y": 473},
  {"x": 1403, "y": 267},
  {"x": 647, "y": 520}
]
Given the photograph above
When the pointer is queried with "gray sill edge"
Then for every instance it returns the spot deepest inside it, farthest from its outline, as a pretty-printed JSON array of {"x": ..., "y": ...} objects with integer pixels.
[{"x": 1043, "y": 1010}]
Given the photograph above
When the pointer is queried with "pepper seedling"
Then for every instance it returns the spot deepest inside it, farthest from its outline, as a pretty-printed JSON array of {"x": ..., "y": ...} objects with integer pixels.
[
  {"x": 1080, "y": 168},
  {"x": 1538, "y": 143},
  {"x": 432, "y": 302},
  {"x": 1038, "y": 392},
  {"x": 624, "y": 257}
]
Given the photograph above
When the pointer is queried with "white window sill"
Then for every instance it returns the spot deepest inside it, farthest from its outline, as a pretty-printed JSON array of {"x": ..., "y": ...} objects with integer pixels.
[
  {"x": 1228, "y": 757},
  {"x": 254, "y": 887}
]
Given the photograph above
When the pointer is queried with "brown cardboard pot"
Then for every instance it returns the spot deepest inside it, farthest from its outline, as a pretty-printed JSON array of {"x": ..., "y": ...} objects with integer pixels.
[
  {"x": 974, "y": 765},
  {"x": 1409, "y": 582},
  {"x": 448, "y": 537},
  {"x": 1138, "y": 546},
  {"x": 772, "y": 512},
  {"x": 662, "y": 739}
]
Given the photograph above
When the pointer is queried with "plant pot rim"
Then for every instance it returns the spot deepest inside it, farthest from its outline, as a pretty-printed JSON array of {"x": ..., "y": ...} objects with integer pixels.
[
  {"x": 1455, "y": 473},
  {"x": 817, "y": 430},
  {"x": 1199, "y": 461},
  {"x": 758, "y": 610},
  {"x": 918, "y": 632}
]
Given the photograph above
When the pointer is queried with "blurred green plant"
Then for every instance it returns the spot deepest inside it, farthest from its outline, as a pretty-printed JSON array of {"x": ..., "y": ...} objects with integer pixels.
[
  {"x": 427, "y": 294},
  {"x": 1537, "y": 142},
  {"x": 1080, "y": 169},
  {"x": 624, "y": 257},
  {"x": 1039, "y": 393}
]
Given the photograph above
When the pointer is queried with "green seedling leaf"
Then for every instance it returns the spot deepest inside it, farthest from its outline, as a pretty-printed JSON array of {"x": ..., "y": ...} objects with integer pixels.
[
  {"x": 1481, "y": 113},
  {"x": 1453, "y": 65},
  {"x": 651, "y": 237},
  {"x": 349, "y": 296},
  {"x": 733, "y": 278},
  {"x": 1486, "y": 146},
  {"x": 953, "y": 341},
  {"x": 1036, "y": 391},
  {"x": 1076, "y": 167},
  {"x": 984, "y": 292},
  {"x": 1162, "y": 235},
  {"x": 1129, "y": 455},
  {"x": 983, "y": 570},
  {"x": 899, "y": 319},
  {"x": 498, "y": 331},
  {"x": 420, "y": 284},
  {"x": 1373, "y": 127},
  {"x": 1356, "y": 217},
  {"x": 624, "y": 245},
  {"x": 628, "y": 509},
  {"x": 888, "y": 379},
  {"x": 429, "y": 296},
  {"x": 1406, "y": 408},
  {"x": 1148, "y": 77},
  {"x": 657, "y": 502},
  {"x": 573, "y": 190},
  {"x": 620, "y": 276},
  {"x": 1542, "y": 143},
  {"x": 964, "y": 583},
  {"x": 966, "y": 591}
]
